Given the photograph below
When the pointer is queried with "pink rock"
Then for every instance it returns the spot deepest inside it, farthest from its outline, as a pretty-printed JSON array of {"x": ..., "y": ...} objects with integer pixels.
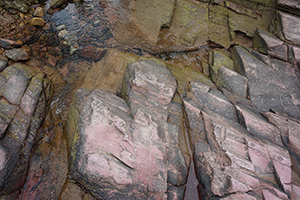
[
  {"x": 295, "y": 194},
  {"x": 239, "y": 197},
  {"x": 285, "y": 175},
  {"x": 296, "y": 51},
  {"x": 124, "y": 151},
  {"x": 258, "y": 126}
]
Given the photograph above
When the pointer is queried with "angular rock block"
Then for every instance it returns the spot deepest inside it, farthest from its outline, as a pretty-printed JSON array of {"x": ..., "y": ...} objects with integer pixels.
[
  {"x": 233, "y": 163},
  {"x": 268, "y": 44},
  {"x": 128, "y": 152},
  {"x": 17, "y": 54},
  {"x": 272, "y": 84},
  {"x": 232, "y": 81},
  {"x": 213, "y": 99},
  {"x": 290, "y": 26},
  {"x": 19, "y": 125}
]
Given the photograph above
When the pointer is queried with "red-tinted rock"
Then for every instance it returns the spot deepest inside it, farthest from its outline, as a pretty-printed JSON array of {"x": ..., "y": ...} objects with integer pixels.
[
  {"x": 274, "y": 86},
  {"x": 18, "y": 131},
  {"x": 289, "y": 5},
  {"x": 268, "y": 44},
  {"x": 31, "y": 95},
  {"x": 129, "y": 153},
  {"x": 290, "y": 27},
  {"x": 7, "y": 112},
  {"x": 231, "y": 162},
  {"x": 258, "y": 126},
  {"x": 15, "y": 87},
  {"x": 93, "y": 53}
]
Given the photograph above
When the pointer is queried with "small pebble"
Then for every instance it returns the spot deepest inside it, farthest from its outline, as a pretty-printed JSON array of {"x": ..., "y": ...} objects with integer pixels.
[{"x": 39, "y": 12}]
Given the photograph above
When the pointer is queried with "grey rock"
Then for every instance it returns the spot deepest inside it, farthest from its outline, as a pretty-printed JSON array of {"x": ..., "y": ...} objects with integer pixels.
[
  {"x": 133, "y": 148},
  {"x": 290, "y": 27},
  {"x": 3, "y": 64},
  {"x": 15, "y": 88},
  {"x": 232, "y": 81},
  {"x": 268, "y": 44},
  {"x": 213, "y": 100},
  {"x": 273, "y": 86},
  {"x": 18, "y": 131},
  {"x": 230, "y": 162},
  {"x": 17, "y": 54}
]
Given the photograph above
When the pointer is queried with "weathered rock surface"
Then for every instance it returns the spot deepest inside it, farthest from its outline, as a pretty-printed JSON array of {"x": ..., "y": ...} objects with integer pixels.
[
  {"x": 290, "y": 5},
  {"x": 56, "y": 3},
  {"x": 3, "y": 64},
  {"x": 15, "y": 4},
  {"x": 120, "y": 151},
  {"x": 23, "y": 107},
  {"x": 17, "y": 54},
  {"x": 289, "y": 26},
  {"x": 8, "y": 43},
  {"x": 268, "y": 44},
  {"x": 37, "y": 21},
  {"x": 39, "y": 12},
  {"x": 229, "y": 161},
  {"x": 271, "y": 85}
]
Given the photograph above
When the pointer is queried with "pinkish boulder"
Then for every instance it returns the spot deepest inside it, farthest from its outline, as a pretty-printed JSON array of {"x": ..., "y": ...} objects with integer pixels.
[
  {"x": 19, "y": 124},
  {"x": 129, "y": 152},
  {"x": 233, "y": 163}
]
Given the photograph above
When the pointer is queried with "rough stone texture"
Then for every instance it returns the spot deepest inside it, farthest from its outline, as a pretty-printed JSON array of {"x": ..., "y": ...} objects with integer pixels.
[
  {"x": 217, "y": 60},
  {"x": 184, "y": 74},
  {"x": 19, "y": 131},
  {"x": 264, "y": 80},
  {"x": 296, "y": 52},
  {"x": 8, "y": 43},
  {"x": 15, "y": 4},
  {"x": 56, "y": 3},
  {"x": 213, "y": 99},
  {"x": 232, "y": 81},
  {"x": 127, "y": 152},
  {"x": 230, "y": 162},
  {"x": 224, "y": 23},
  {"x": 37, "y": 21},
  {"x": 268, "y": 44},
  {"x": 39, "y": 12},
  {"x": 17, "y": 54},
  {"x": 143, "y": 23},
  {"x": 151, "y": 16},
  {"x": 188, "y": 30},
  {"x": 290, "y": 26},
  {"x": 290, "y": 5},
  {"x": 3, "y": 65},
  {"x": 108, "y": 74}
]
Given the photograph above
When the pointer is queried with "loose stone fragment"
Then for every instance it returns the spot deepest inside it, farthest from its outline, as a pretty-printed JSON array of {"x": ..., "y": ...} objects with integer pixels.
[{"x": 17, "y": 54}]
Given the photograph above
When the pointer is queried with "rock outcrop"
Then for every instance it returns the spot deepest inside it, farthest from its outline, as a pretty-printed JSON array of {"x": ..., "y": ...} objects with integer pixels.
[
  {"x": 24, "y": 96},
  {"x": 129, "y": 150}
]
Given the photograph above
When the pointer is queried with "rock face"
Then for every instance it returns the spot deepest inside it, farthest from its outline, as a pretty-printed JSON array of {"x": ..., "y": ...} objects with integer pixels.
[
  {"x": 128, "y": 152},
  {"x": 229, "y": 159},
  {"x": 265, "y": 77},
  {"x": 23, "y": 105}
]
